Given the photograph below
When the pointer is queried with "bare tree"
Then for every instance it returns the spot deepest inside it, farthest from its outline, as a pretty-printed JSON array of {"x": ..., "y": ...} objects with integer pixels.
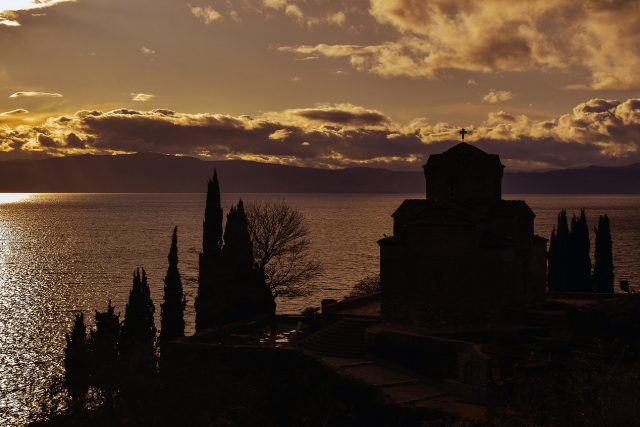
[
  {"x": 281, "y": 247},
  {"x": 366, "y": 286}
]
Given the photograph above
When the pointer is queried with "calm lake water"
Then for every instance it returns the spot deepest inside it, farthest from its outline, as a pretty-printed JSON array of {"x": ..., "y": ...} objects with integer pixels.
[{"x": 62, "y": 253}]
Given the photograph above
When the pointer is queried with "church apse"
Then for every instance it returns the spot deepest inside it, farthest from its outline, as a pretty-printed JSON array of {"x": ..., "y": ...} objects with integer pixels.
[{"x": 463, "y": 251}]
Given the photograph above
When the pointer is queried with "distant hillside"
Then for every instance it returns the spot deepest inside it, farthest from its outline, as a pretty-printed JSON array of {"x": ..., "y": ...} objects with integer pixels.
[
  {"x": 151, "y": 173},
  {"x": 148, "y": 172},
  {"x": 589, "y": 180}
]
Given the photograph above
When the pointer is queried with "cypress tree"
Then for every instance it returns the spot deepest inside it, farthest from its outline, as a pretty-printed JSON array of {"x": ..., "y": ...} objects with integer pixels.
[
  {"x": 244, "y": 280},
  {"x": 237, "y": 240},
  {"x": 552, "y": 265},
  {"x": 103, "y": 347},
  {"x": 137, "y": 338},
  {"x": 76, "y": 363},
  {"x": 209, "y": 258},
  {"x": 603, "y": 268},
  {"x": 172, "y": 309},
  {"x": 580, "y": 258},
  {"x": 559, "y": 255},
  {"x": 212, "y": 225}
]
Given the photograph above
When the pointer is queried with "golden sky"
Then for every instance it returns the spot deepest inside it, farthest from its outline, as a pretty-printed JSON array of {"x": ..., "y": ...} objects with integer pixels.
[{"x": 327, "y": 83}]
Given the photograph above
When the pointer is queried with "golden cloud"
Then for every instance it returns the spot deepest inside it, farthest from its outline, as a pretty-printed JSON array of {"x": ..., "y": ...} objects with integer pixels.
[
  {"x": 598, "y": 131},
  {"x": 206, "y": 14},
  {"x": 141, "y": 97},
  {"x": 492, "y": 36},
  {"x": 14, "y": 112},
  {"x": 9, "y": 9},
  {"x": 34, "y": 94},
  {"x": 495, "y": 96}
]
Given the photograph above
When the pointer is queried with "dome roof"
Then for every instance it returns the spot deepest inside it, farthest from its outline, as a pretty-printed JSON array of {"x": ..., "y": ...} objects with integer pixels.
[{"x": 467, "y": 152}]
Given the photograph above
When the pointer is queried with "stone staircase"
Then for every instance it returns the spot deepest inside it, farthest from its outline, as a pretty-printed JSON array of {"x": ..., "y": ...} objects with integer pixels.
[
  {"x": 341, "y": 346},
  {"x": 403, "y": 388},
  {"x": 342, "y": 338}
]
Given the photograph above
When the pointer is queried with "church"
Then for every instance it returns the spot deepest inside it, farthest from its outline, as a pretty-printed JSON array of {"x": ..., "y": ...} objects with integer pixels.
[{"x": 462, "y": 252}]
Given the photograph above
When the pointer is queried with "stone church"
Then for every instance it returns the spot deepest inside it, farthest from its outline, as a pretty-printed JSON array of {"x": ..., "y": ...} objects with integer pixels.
[{"x": 463, "y": 251}]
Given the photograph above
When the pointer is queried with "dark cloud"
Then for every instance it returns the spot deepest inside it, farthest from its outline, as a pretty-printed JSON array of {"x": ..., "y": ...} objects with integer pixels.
[
  {"x": 72, "y": 140},
  {"x": 46, "y": 141},
  {"x": 344, "y": 117}
]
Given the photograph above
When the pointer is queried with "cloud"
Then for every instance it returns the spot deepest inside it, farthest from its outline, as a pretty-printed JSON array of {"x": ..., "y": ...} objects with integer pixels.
[
  {"x": 147, "y": 51},
  {"x": 141, "y": 97},
  {"x": 472, "y": 82},
  {"x": 598, "y": 131},
  {"x": 337, "y": 19},
  {"x": 14, "y": 112},
  {"x": 206, "y": 14},
  {"x": 275, "y": 4},
  {"x": 9, "y": 10},
  {"x": 7, "y": 21},
  {"x": 495, "y": 96},
  {"x": 293, "y": 10},
  {"x": 342, "y": 114},
  {"x": 280, "y": 134},
  {"x": 594, "y": 40},
  {"x": 30, "y": 94}
]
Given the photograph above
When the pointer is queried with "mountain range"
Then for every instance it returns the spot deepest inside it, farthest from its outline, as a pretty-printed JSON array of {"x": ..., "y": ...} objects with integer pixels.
[{"x": 150, "y": 172}]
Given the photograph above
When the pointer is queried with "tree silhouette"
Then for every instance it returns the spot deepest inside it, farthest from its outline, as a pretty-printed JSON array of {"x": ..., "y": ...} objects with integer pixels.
[
  {"x": 137, "y": 339},
  {"x": 579, "y": 257},
  {"x": 552, "y": 264},
  {"x": 103, "y": 350},
  {"x": 76, "y": 363},
  {"x": 208, "y": 261},
  {"x": 603, "y": 268},
  {"x": 172, "y": 309},
  {"x": 212, "y": 225},
  {"x": 237, "y": 241},
  {"x": 282, "y": 248},
  {"x": 368, "y": 285},
  {"x": 559, "y": 255}
]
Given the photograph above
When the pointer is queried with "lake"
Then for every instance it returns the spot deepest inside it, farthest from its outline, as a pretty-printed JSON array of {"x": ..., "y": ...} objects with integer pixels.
[{"x": 63, "y": 253}]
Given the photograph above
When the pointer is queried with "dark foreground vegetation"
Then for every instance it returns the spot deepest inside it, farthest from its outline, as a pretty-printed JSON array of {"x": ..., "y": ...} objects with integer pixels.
[
  {"x": 570, "y": 268},
  {"x": 592, "y": 384},
  {"x": 115, "y": 372}
]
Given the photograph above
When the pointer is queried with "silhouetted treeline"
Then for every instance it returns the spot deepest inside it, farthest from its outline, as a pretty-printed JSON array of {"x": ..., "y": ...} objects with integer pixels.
[
  {"x": 116, "y": 370},
  {"x": 118, "y": 357},
  {"x": 118, "y": 361},
  {"x": 231, "y": 287},
  {"x": 570, "y": 267}
]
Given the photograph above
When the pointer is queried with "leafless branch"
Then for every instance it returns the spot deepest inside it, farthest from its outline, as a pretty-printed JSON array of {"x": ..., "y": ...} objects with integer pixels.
[{"x": 282, "y": 248}]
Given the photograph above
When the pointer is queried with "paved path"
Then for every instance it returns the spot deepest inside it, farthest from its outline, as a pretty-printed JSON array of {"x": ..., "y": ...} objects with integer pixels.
[
  {"x": 341, "y": 346},
  {"x": 401, "y": 387}
]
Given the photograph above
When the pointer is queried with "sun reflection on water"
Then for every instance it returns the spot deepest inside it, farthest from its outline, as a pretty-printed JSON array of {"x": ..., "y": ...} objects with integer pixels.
[{"x": 14, "y": 197}]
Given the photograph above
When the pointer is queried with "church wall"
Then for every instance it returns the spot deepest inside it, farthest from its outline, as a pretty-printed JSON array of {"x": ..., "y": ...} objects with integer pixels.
[
  {"x": 451, "y": 262},
  {"x": 445, "y": 282},
  {"x": 463, "y": 182}
]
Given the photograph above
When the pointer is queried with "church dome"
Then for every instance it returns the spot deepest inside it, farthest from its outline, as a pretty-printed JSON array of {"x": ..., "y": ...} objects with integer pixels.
[{"x": 463, "y": 172}]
